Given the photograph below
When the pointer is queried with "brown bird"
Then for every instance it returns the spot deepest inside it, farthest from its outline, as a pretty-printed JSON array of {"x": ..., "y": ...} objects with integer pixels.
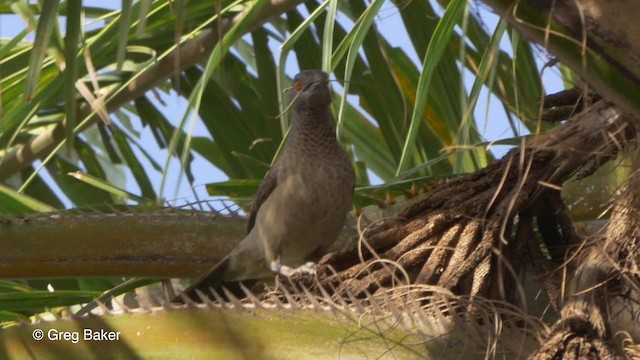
[{"x": 302, "y": 204}]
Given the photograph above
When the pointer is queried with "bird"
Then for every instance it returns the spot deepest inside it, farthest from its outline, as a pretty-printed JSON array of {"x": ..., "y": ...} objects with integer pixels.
[{"x": 301, "y": 205}]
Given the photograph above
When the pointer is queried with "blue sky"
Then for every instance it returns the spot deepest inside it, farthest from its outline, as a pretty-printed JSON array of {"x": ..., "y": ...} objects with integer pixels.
[{"x": 489, "y": 112}]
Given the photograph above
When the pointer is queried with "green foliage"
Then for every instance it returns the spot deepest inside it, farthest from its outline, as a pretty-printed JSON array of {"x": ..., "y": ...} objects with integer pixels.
[{"x": 403, "y": 122}]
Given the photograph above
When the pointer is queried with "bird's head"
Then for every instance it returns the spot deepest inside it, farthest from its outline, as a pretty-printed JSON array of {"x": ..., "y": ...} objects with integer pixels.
[{"x": 310, "y": 90}]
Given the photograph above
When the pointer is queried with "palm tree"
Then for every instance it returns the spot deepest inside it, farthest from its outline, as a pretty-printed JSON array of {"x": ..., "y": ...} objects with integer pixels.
[{"x": 76, "y": 97}]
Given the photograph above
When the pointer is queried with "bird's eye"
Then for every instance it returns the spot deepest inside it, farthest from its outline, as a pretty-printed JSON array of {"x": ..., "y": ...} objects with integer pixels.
[{"x": 298, "y": 85}]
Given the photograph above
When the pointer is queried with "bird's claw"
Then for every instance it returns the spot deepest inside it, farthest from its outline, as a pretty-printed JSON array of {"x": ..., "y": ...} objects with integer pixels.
[{"x": 309, "y": 268}]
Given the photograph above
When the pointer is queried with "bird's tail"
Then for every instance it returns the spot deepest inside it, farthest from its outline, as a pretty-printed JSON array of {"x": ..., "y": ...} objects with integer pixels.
[{"x": 212, "y": 280}]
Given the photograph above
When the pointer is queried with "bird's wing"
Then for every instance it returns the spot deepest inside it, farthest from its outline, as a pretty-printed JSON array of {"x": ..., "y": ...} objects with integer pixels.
[
  {"x": 266, "y": 188},
  {"x": 213, "y": 279}
]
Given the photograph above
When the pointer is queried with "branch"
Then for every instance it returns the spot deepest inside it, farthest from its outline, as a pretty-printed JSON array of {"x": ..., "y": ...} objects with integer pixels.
[
  {"x": 158, "y": 243},
  {"x": 452, "y": 236},
  {"x": 593, "y": 41}
]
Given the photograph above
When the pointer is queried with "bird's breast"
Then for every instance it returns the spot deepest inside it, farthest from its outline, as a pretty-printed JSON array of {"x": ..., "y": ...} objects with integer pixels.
[
  {"x": 308, "y": 207},
  {"x": 324, "y": 186}
]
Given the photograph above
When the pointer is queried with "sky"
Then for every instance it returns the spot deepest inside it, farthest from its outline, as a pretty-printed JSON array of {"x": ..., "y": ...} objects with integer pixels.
[{"x": 489, "y": 113}]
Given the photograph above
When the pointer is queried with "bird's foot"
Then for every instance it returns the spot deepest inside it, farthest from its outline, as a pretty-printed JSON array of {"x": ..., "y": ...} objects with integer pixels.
[{"x": 309, "y": 268}]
